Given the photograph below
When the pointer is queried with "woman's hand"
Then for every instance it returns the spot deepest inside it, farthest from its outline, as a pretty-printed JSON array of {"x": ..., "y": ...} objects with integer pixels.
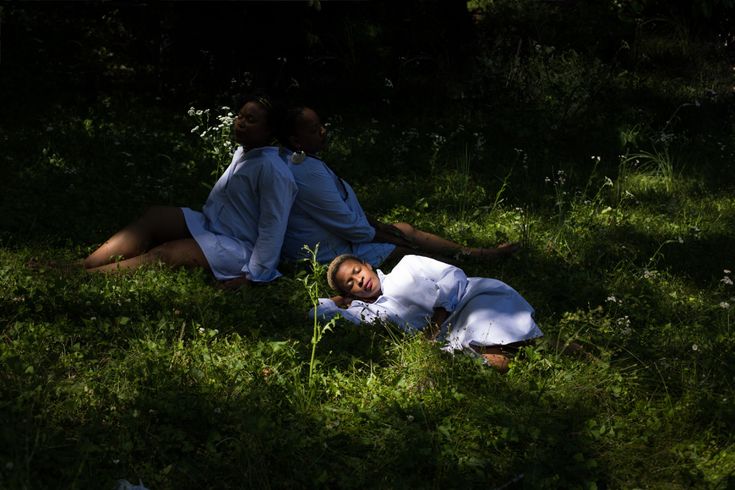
[
  {"x": 236, "y": 283},
  {"x": 385, "y": 233},
  {"x": 435, "y": 324},
  {"x": 342, "y": 301}
]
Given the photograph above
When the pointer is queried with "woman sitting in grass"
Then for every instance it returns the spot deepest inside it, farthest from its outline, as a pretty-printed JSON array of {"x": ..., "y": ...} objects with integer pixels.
[
  {"x": 239, "y": 233},
  {"x": 326, "y": 210},
  {"x": 477, "y": 315}
]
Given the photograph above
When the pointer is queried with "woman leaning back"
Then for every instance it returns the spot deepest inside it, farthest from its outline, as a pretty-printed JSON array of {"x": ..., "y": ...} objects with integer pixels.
[
  {"x": 326, "y": 210},
  {"x": 239, "y": 233}
]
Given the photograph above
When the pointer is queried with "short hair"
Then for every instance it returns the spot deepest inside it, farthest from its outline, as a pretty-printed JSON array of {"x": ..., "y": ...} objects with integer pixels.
[
  {"x": 288, "y": 125},
  {"x": 334, "y": 267}
]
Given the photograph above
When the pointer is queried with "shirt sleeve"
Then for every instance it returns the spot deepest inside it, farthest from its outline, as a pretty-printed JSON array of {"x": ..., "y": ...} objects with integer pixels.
[
  {"x": 276, "y": 192},
  {"x": 333, "y": 204},
  {"x": 358, "y": 312},
  {"x": 450, "y": 281}
]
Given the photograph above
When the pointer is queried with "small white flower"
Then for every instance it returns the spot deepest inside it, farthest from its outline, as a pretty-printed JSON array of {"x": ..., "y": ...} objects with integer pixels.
[
  {"x": 726, "y": 280},
  {"x": 409, "y": 418},
  {"x": 695, "y": 347},
  {"x": 191, "y": 111},
  {"x": 201, "y": 329},
  {"x": 726, "y": 271},
  {"x": 612, "y": 299},
  {"x": 725, "y": 305}
]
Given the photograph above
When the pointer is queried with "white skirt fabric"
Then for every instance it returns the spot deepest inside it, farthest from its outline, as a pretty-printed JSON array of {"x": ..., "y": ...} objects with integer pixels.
[
  {"x": 494, "y": 315},
  {"x": 226, "y": 255}
]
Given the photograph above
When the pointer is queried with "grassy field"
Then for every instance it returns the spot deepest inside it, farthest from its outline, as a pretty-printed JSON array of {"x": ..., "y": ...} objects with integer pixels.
[{"x": 617, "y": 181}]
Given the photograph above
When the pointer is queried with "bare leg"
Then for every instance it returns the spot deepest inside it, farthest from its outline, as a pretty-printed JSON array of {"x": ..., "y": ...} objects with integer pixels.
[
  {"x": 436, "y": 245},
  {"x": 158, "y": 225},
  {"x": 176, "y": 253}
]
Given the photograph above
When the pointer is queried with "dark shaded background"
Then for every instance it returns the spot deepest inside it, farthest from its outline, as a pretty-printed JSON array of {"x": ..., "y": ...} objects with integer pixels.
[{"x": 195, "y": 51}]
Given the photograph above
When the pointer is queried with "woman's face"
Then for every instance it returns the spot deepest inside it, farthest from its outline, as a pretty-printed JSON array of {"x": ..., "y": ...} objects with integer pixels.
[
  {"x": 310, "y": 135},
  {"x": 357, "y": 279},
  {"x": 251, "y": 126}
]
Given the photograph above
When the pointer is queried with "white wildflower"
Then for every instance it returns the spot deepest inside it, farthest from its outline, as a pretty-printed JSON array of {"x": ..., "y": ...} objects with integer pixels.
[
  {"x": 725, "y": 305},
  {"x": 695, "y": 347},
  {"x": 726, "y": 280}
]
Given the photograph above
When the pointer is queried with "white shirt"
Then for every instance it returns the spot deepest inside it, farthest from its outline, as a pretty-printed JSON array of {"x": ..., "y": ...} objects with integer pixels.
[
  {"x": 482, "y": 311},
  {"x": 244, "y": 219},
  {"x": 326, "y": 211}
]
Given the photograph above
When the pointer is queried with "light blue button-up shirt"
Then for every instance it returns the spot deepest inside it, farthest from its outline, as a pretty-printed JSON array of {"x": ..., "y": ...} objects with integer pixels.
[
  {"x": 326, "y": 211},
  {"x": 246, "y": 215}
]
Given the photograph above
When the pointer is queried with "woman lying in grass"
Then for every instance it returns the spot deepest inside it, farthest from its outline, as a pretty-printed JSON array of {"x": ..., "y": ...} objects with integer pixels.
[
  {"x": 326, "y": 210},
  {"x": 239, "y": 232},
  {"x": 478, "y": 315}
]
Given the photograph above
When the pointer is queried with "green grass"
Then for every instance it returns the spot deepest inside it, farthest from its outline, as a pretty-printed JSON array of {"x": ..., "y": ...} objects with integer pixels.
[{"x": 158, "y": 375}]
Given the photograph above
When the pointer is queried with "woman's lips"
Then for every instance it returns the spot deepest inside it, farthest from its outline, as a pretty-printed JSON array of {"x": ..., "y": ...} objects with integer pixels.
[{"x": 369, "y": 285}]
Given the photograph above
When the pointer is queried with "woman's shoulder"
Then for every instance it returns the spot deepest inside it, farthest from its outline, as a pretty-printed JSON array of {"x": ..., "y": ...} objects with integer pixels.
[
  {"x": 264, "y": 161},
  {"x": 309, "y": 170}
]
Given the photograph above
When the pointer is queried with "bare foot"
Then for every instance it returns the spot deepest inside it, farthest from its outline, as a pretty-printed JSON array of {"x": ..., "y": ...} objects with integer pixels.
[
  {"x": 499, "y": 362},
  {"x": 502, "y": 250}
]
